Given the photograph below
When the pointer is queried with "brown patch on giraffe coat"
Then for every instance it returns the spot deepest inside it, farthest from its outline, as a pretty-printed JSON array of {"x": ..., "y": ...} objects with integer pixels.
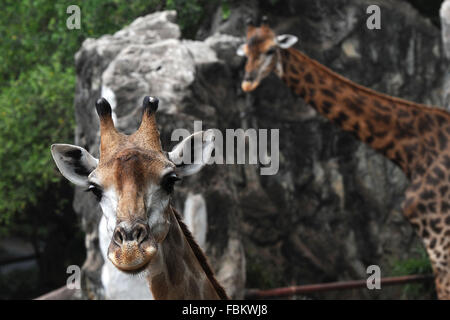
[
  {"x": 159, "y": 286},
  {"x": 423, "y": 125},
  {"x": 191, "y": 264},
  {"x": 302, "y": 92},
  {"x": 201, "y": 259},
  {"x": 446, "y": 161},
  {"x": 194, "y": 290},
  {"x": 445, "y": 206},
  {"x": 432, "y": 207},
  {"x": 208, "y": 289},
  {"x": 175, "y": 267},
  {"x": 432, "y": 243},
  {"x": 293, "y": 81},
  {"x": 356, "y": 108},
  {"x": 330, "y": 94},
  {"x": 447, "y": 220},
  {"x": 174, "y": 253},
  {"x": 377, "y": 104},
  {"x": 293, "y": 70},
  {"x": 309, "y": 78},
  {"x": 176, "y": 238},
  {"x": 340, "y": 118},
  {"x": 434, "y": 224},
  {"x": 427, "y": 194},
  {"x": 326, "y": 107},
  {"x": 442, "y": 138}
]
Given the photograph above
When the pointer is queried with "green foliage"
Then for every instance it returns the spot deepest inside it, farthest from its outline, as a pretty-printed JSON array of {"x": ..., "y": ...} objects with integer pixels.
[
  {"x": 34, "y": 30},
  {"x": 226, "y": 11},
  {"x": 418, "y": 265},
  {"x": 189, "y": 14},
  {"x": 36, "y": 112}
]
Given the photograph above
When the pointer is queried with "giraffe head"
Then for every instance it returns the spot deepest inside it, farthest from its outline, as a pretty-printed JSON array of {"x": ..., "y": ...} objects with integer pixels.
[
  {"x": 133, "y": 181},
  {"x": 262, "y": 49}
]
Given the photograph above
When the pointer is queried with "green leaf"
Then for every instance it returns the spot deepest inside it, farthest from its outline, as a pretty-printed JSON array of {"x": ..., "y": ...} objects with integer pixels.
[{"x": 226, "y": 11}]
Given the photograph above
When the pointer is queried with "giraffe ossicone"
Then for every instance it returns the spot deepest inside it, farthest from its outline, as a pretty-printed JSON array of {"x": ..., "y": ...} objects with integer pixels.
[
  {"x": 133, "y": 181},
  {"x": 413, "y": 136}
]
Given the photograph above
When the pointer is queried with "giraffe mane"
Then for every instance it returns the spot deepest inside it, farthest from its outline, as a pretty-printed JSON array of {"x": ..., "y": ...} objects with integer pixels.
[{"x": 202, "y": 259}]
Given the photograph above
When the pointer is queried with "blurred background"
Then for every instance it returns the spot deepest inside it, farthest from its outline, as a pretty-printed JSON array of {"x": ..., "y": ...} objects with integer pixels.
[{"x": 40, "y": 231}]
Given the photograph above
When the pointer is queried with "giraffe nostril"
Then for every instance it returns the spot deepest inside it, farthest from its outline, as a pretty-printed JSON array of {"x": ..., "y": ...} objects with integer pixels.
[
  {"x": 118, "y": 236},
  {"x": 140, "y": 233},
  {"x": 137, "y": 232}
]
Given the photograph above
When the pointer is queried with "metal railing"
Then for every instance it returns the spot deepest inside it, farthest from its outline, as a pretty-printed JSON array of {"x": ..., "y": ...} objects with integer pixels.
[{"x": 341, "y": 285}]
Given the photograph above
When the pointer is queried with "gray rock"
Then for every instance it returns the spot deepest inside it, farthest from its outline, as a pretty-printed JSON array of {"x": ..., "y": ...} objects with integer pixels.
[
  {"x": 334, "y": 206},
  {"x": 445, "y": 24},
  {"x": 124, "y": 71}
]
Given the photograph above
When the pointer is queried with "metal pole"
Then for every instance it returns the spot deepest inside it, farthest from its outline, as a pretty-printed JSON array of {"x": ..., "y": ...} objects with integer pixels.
[{"x": 343, "y": 285}]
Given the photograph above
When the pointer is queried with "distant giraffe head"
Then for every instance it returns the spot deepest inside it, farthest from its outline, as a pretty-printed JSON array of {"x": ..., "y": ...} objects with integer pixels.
[
  {"x": 262, "y": 50},
  {"x": 133, "y": 181}
]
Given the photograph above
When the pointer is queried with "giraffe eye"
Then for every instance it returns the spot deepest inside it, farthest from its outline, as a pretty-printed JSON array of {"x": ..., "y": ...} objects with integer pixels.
[
  {"x": 96, "y": 190},
  {"x": 168, "y": 181},
  {"x": 271, "y": 51}
]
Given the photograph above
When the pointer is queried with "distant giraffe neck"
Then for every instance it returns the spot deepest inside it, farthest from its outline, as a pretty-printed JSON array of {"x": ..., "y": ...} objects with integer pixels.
[
  {"x": 407, "y": 133},
  {"x": 181, "y": 271}
]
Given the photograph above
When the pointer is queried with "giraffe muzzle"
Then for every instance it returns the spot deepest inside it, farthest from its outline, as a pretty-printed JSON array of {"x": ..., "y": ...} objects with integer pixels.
[
  {"x": 250, "y": 82},
  {"x": 248, "y": 86},
  {"x": 131, "y": 248}
]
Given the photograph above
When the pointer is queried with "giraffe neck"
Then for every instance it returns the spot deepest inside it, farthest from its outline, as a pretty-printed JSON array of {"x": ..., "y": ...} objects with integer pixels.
[
  {"x": 180, "y": 270},
  {"x": 405, "y": 132}
]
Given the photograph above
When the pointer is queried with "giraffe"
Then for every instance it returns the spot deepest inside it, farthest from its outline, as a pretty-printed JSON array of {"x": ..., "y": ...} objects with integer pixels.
[
  {"x": 133, "y": 180},
  {"x": 415, "y": 137}
]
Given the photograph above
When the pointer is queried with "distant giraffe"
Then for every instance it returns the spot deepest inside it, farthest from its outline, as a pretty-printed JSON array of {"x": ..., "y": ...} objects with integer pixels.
[
  {"x": 133, "y": 181},
  {"x": 414, "y": 136}
]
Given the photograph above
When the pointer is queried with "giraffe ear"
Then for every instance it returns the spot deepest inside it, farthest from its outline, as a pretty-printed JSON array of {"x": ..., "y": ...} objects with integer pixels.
[
  {"x": 191, "y": 154},
  {"x": 240, "y": 51},
  {"x": 74, "y": 163},
  {"x": 285, "y": 41}
]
